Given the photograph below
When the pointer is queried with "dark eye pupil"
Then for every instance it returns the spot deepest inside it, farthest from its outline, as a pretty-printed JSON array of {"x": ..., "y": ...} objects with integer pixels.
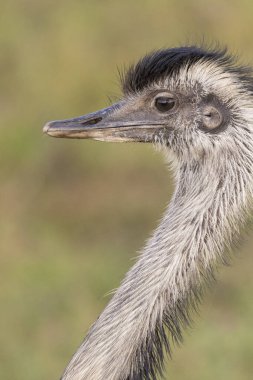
[{"x": 163, "y": 103}]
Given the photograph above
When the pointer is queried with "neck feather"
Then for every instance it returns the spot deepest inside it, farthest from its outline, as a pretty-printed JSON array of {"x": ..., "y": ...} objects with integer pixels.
[{"x": 154, "y": 302}]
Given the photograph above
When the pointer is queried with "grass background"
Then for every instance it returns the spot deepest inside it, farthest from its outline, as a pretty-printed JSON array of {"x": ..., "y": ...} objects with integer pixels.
[{"x": 73, "y": 213}]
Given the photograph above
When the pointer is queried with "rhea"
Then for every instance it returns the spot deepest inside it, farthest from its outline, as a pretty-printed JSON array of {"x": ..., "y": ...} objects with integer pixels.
[{"x": 196, "y": 104}]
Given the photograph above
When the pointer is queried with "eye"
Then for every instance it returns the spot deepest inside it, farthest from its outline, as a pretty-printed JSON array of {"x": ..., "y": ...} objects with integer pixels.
[{"x": 164, "y": 103}]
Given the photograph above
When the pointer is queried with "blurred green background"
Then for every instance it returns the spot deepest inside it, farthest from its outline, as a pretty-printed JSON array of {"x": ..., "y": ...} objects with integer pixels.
[{"x": 73, "y": 213}]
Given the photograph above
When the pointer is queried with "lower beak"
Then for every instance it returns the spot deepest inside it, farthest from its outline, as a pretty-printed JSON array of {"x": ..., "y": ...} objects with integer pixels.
[{"x": 109, "y": 124}]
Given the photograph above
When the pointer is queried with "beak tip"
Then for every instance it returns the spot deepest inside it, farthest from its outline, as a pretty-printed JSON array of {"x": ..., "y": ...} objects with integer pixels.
[{"x": 46, "y": 128}]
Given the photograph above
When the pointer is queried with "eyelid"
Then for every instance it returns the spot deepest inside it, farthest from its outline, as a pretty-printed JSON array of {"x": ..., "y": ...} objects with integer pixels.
[{"x": 165, "y": 94}]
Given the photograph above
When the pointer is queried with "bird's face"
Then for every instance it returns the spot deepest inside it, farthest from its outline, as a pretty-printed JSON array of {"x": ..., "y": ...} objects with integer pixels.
[{"x": 188, "y": 110}]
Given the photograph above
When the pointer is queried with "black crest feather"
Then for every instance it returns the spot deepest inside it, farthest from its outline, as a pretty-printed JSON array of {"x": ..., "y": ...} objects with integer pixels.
[{"x": 163, "y": 63}]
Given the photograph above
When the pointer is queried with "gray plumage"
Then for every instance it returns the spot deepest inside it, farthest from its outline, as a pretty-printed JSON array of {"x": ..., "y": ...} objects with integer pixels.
[{"x": 196, "y": 105}]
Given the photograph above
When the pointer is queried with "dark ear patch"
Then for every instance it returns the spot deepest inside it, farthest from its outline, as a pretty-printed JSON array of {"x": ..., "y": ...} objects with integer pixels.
[{"x": 214, "y": 115}]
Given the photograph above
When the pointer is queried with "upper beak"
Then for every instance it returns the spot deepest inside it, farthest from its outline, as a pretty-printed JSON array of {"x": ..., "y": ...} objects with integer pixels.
[{"x": 116, "y": 123}]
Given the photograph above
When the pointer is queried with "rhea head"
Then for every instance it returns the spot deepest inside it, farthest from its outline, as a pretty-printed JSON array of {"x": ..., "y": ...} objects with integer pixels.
[{"x": 187, "y": 100}]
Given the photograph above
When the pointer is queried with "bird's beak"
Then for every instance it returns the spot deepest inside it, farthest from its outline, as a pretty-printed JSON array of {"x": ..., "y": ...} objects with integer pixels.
[{"x": 118, "y": 123}]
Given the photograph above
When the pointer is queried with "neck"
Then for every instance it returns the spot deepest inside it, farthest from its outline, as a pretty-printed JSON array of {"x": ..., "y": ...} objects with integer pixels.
[{"x": 153, "y": 303}]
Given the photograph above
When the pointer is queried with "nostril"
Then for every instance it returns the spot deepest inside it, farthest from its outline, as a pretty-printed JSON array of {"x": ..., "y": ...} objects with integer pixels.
[{"x": 91, "y": 121}]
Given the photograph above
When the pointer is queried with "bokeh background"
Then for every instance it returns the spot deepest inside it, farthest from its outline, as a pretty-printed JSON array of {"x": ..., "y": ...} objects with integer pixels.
[{"x": 74, "y": 213}]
